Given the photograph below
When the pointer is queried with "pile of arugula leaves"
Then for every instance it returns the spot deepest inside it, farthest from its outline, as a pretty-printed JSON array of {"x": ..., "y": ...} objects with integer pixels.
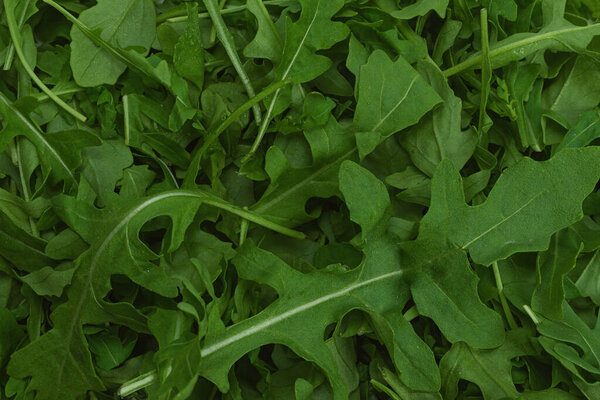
[{"x": 299, "y": 199}]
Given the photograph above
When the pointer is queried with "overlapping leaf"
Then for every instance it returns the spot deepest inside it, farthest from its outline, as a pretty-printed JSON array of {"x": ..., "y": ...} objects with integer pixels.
[
  {"x": 324, "y": 297},
  {"x": 117, "y": 21},
  {"x": 115, "y": 248},
  {"x": 529, "y": 194}
]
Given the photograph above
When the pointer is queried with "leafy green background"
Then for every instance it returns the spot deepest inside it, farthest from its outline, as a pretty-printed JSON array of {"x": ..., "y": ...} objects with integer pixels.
[{"x": 299, "y": 199}]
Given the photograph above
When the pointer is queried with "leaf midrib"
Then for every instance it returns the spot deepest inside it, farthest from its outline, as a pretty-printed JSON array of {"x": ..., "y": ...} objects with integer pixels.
[
  {"x": 89, "y": 289},
  {"x": 301, "y": 44},
  {"x": 206, "y": 351},
  {"x": 355, "y": 285},
  {"x": 304, "y": 181},
  {"x": 410, "y": 86},
  {"x": 112, "y": 34},
  {"x": 587, "y": 128},
  {"x": 32, "y": 129},
  {"x": 502, "y": 221}
]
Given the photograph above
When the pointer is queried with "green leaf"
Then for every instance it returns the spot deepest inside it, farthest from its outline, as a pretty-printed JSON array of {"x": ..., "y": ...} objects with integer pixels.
[
  {"x": 504, "y": 8},
  {"x": 115, "y": 20},
  {"x": 115, "y": 248},
  {"x": 439, "y": 136},
  {"x": 313, "y": 31},
  {"x": 104, "y": 166},
  {"x": 582, "y": 134},
  {"x": 48, "y": 281},
  {"x": 20, "y": 247},
  {"x": 364, "y": 194},
  {"x": 267, "y": 43},
  {"x": 573, "y": 343},
  {"x": 444, "y": 288},
  {"x": 587, "y": 283},
  {"x": 136, "y": 180},
  {"x": 525, "y": 195},
  {"x": 321, "y": 296},
  {"x": 188, "y": 56},
  {"x": 557, "y": 35},
  {"x": 130, "y": 58},
  {"x": 10, "y": 335},
  {"x": 65, "y": 245},
  {"x": 300, "y": 61},
  {"x": 385, "y": 105},
  {"x": 553, "y": 393},
  {"x": 58, "y": 152},
  {"x": 553, "y": 265},
  {"x": 489, "y": 369},
  {"x": 575, "y": 91},
  {"x": 422, "y": 7},
  {"x": 108, "y": 349},
  {"x": 290, "y": 188}
]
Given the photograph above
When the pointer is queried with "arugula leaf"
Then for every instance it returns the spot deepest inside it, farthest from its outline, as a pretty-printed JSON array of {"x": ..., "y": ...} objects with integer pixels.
[
  {"x": 115, "y": 21},
  {"x": 422, "y": 7},
  {"x": 115, "y": 247},
  {"x": 285, "y": 199},
  {"x": 586, "y": 130},
  {"x": 299, "y": 61},
  {"x": 489, "y": 369},
  {"x": 188, "y": 55},
  {"x": 56, "y": 154},
  {"x": 322, "y": 295},
  {"x": 442, "y": 130},
  {"x": 520, "y": 198},
  {"x": 557, "y": 34},
  {"x": 559, "y": 337},
  {"x": 553, "y": 265},
  {"x": 386, "y": 107},
  {"x": 267, "y": 43},
  {"x": 406, "y": 208}
]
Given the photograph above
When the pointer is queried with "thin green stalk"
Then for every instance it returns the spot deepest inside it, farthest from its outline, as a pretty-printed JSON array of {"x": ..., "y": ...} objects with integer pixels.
[
  {"x": 174, "y": 12},
  {"x": 411, "y": 313},
  {"x": 476, "y": 59},
  {"x": 505, "y": 307},
  {"x": 25, "y": 189},
  {"x": 179, "y": 15},
  {"x": 126, "y": 119},
  {"x": 10, "y": 54},
  {"x": 244, "y": 229},
  {"x": 213, "y": 30},
  {"x": 137, "y": 383},
  {"x": 486, "y": 68},
  {"x": 40, "y": 97},
  {"x": 263, "y": 127},
  {"x": 194, "y": 168},
  {"x": 17, "y": 40},
  {"x": 531, "y": 314},
  {"x": 204, "y": 15},
  {"x": 229, "y": 45},
  {"x": 25, "y": 185},
  {"x": 409, "y": 33}
]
